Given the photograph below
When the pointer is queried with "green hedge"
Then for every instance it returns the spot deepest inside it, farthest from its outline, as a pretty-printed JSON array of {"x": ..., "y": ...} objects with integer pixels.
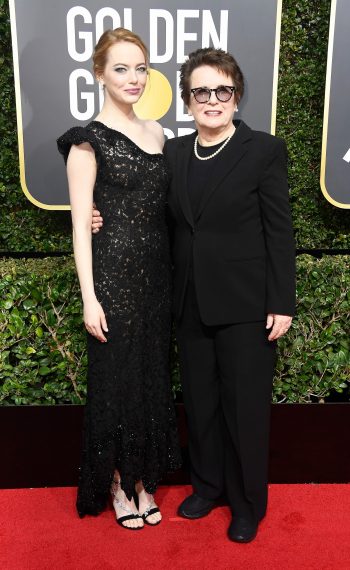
[
  {"x": 42, "y": 340},
  {"x": 304, "y": 40},
  {"x": 42, "y": 346},
  {"x": 315, "y": 355}
]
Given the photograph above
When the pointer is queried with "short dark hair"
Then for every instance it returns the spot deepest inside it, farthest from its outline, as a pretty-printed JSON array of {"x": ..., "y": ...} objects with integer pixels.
[{"x": 218, "y": 58}]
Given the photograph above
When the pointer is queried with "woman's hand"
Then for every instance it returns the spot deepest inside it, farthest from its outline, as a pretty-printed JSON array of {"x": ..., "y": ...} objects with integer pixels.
[
  {"x": 95, "y": 320},
  {"x": 280, "y": 325},
  {"x": 97, "y": 220}
]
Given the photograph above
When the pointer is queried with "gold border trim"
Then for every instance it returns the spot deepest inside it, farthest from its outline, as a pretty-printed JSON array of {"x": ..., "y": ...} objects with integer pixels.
[
  {"x": 326, "y": 110},
  {"x": 276, "y": 66},
  {"x": 19, "y": 116}
]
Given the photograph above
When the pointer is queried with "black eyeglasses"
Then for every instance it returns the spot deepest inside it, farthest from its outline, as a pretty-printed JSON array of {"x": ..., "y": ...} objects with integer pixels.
[{"x": 223, "y": 93}]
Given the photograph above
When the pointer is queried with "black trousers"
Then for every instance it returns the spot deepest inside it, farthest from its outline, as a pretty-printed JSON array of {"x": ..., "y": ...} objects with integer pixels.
[{"x": 227, "y": 376}]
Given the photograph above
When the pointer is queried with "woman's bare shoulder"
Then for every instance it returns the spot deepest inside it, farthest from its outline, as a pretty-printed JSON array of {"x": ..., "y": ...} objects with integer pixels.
[{"x": 156, "y": 129}]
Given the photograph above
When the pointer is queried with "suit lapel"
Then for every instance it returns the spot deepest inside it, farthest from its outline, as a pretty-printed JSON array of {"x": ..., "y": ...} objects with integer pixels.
[
  {"x": 184, "y": 151},
  {"x": 227, "y": 159}
]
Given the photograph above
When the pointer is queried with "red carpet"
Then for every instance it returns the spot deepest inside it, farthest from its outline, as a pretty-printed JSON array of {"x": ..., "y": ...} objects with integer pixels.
[{"x": 307, "y": 528}]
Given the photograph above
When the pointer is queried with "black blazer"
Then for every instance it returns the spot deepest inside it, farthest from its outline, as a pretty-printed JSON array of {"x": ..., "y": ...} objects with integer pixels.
[{"x": 241, "y": 243}]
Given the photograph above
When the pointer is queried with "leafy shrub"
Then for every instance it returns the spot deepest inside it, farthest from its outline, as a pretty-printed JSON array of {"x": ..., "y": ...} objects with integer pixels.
[
  {"x": 42, "y": 340},
  {"x": 315, "y": 354}
]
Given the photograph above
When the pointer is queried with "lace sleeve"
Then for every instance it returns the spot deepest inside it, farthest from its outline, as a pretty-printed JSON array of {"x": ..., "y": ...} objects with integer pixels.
[{"x": 77, "y": 135}]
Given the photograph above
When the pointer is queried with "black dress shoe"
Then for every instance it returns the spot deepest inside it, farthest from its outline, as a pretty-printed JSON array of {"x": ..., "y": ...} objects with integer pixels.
[
  {"x": 242, "y": 530},
  {"x": 195, "y": 507}
]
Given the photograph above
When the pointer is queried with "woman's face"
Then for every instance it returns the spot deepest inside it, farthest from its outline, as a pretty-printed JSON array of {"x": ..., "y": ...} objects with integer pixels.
[
  {"x": 125, "y": 73},
  {"x": 214, "y": 115}
]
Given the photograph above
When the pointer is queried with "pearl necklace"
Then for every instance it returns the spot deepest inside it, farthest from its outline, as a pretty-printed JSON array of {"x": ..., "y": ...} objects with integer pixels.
[{"x": 214, "y": 153}]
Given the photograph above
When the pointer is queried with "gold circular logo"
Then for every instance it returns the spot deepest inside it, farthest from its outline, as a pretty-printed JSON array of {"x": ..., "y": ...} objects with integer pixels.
[{"x": 156, "y": 98}]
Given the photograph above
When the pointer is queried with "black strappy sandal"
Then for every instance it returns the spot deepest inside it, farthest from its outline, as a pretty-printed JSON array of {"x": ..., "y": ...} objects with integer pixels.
[
  {"x": 152, "y": 509},
  {"x": 118, "y": 503},
  {"x": 132, "y": 516}
]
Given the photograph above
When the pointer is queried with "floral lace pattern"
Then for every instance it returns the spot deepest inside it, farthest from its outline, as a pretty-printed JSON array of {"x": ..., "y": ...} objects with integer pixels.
[{"x": 130, "y": 420}]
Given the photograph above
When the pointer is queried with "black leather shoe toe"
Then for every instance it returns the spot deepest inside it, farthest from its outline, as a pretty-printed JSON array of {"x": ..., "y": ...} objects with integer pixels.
[
  {"x": 242, "y": 530},
  {"x": 195, "y": 507}
]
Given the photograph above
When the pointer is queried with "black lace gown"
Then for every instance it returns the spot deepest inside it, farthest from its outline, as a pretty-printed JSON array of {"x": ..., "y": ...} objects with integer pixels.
[{"x": 129, "y": 417}]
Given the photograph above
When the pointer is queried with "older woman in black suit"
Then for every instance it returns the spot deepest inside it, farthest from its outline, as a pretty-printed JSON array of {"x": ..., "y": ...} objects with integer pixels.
[{"x": 234, "y": 287}]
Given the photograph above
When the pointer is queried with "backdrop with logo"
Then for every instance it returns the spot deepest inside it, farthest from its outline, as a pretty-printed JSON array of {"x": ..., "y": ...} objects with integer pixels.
[
  {"x": 55, "y": 87},
  {"x": 335, "y": 163}
]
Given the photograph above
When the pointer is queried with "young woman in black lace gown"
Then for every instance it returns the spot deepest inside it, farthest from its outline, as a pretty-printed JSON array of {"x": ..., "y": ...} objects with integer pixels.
[{"x": 130, "y": 436}]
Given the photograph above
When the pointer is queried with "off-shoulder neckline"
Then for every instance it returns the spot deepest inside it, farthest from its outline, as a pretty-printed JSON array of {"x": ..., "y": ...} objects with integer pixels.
[{"x": 155, "y": 154}]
